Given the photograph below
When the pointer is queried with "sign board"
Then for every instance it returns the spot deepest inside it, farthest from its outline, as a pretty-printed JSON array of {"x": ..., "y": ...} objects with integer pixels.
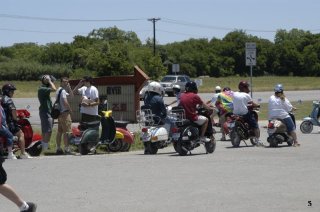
[
  {"x": 251, "y": 59},
  {"x": 175, "y": 68},
  {"x": 198, "y": 82}
]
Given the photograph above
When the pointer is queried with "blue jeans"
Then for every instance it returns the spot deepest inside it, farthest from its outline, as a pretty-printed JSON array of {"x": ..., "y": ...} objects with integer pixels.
[
  {"x": 7, "y": 134},
  {"x": 289, "y": 123}
]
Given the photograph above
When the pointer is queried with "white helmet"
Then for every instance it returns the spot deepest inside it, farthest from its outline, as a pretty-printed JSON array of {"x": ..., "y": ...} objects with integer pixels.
[
  {"x": 155, "y": 87},
  {"x": 176, "y": 88},
  {"x": 218, "y": 88}
]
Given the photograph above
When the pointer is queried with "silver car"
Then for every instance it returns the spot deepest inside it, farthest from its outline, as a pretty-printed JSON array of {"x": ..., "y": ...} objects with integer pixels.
[{"x": 168, "y": 81}]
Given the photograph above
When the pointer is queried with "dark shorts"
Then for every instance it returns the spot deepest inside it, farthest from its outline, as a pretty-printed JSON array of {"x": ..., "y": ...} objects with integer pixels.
[
  {"x": 14, "y": 127},
  {"x": 3, "y": 174},
  {"x": 46, "y": 122},
  {"x": 251, "y": 120}
]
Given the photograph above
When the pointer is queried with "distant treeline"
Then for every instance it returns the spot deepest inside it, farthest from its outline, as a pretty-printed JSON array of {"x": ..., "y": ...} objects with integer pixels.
[{"x": 111, "y": 51}]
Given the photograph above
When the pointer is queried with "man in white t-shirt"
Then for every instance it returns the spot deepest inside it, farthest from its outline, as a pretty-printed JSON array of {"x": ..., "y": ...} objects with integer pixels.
[
  {"x": 89, "y": 99},
  {"x": 241, "y": 101},
  {"x": 64, "y": 119}
]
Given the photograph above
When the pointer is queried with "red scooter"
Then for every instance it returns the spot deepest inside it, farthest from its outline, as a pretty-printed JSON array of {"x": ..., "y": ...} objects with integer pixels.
[{"x": 32, "y": 140}]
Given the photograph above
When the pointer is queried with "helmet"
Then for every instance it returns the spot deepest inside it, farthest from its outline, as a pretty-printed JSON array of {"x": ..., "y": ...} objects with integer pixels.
[
  {"x": 191, "y": 87},
  {"x": 7, "y": 88},
  {"x": 243, "y": 85},
  {"x": 155, "y": 87},
  {"x": 218, "y": 89},
  {"x": 176, "y": 88},
  {"x": 278, "y": 88},
  {"x": 226, "y": 89}
]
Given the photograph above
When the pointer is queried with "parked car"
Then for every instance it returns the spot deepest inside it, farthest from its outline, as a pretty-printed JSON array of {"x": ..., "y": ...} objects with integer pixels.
[{"x": 168, "y": 81}]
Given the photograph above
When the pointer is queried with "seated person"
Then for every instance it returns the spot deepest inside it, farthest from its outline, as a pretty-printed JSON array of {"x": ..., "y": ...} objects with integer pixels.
[{"x": 189, "y": 101}]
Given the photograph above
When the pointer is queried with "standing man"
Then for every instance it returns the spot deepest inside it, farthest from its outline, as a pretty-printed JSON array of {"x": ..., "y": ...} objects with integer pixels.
[
  {"x": 89, "y": 100},
  {"x": 241, "y": 101},
  {"x": 45, "y": 109},
  {"x": 11, "y": 118},
  {"x": 64, "y": 119}
]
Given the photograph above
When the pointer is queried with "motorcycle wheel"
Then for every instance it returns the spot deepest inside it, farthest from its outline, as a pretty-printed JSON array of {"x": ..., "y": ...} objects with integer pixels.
[
  {"x": 180, "y": 149},
  {"x": 150, "y": 148},
  {"x": 235, "y": 138},
  {"x": 125, "y": 147},
  {"x": 210, "y": 146},
  {"x": 83, "y": 148},
  {"x": 115, "y": 146},
  {"x": 35, "y": 150},
  {"x": 253, "y": 142},
  {"x": 306, "y": 127},
  {"x": 273, "y": 142}
]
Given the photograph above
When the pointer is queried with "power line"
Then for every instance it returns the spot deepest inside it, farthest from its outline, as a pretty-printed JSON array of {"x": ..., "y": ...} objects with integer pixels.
[
  {"x": 37, "y": 31},
  {"x": 68, "y": 19}
]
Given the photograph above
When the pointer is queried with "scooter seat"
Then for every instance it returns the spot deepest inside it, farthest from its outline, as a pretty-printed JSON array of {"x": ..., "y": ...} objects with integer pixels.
[
  {"x": 121, "y": 124},
  {"x": 91, "y": 124},
  {"x": 183, "y": 123}
]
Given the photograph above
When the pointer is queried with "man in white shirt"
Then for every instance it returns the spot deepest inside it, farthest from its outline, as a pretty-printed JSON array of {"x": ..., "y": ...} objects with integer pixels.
[
  {"x": 89, "y": 100},
  {"x": 241, "y": 101},
  {"x": 279, "y": 107}
]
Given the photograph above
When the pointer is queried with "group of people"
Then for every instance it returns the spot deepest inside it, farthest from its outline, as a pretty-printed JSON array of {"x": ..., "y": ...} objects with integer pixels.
[
  {"x": 224, "y": 102},
  {"x": 11, "y": 130},
  {"x": 88, "y": 109}
]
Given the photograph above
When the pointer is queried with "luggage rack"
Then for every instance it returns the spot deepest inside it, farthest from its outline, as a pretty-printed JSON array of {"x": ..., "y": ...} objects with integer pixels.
[
  {"x": 177, "y": 115},
  {"x": 145, "y": 117}
]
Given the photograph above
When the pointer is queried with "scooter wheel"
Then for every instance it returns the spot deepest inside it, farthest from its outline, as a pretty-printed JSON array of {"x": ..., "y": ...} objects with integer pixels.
[{"x": 306, "y": 127}]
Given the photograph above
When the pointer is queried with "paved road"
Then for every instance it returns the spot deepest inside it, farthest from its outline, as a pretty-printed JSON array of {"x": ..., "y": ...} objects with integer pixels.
[{"x": 231, "y": 179}]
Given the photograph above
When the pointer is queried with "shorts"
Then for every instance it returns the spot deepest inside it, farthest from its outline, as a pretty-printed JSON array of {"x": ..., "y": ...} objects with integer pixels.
[
  {"x": 89, "y": 118},
  {"x": 46, "y": 122},
  {"x": 201, "y": 120},
  {"x": 14, "y": 127},
  {"x": 64, "y": 122},
  {"x": 289, "y": 124},
  {"x": 3, "y": 174}
]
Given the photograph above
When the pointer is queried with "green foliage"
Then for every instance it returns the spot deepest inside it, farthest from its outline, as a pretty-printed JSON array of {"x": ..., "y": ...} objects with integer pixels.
[{"x": 111, "y": 51}]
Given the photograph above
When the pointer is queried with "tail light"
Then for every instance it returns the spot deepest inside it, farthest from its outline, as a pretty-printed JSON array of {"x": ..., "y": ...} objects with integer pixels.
[
  {"x": 271, "y": 125},
  {"x": 144, "y": 130},
  {"x": 175, "y": 130}
]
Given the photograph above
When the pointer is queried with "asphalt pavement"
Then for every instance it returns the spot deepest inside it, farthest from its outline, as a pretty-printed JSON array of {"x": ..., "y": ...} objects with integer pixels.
[{"x": 231, "y": 179}]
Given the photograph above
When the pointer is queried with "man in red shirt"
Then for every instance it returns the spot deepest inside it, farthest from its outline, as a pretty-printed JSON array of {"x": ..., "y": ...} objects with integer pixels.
[{"x": 189, "y": 101}]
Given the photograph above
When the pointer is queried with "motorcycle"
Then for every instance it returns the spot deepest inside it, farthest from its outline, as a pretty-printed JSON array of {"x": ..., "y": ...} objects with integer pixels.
[
  {"x": 188, "y": 135},
  {"x": 240, "y": 130},
  {"x": 277, "y": 132},
  {"x": 114, "y": 135},
  {"x": 308, "y": 122},
  {"x": 156, "y": 135},
  {"x": 32, "y": 140}
]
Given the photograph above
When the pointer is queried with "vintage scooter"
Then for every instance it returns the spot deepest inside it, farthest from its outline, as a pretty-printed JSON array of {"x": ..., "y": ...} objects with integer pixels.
[
  {"x": 308, "y": 122},
  {"x": 277, "y": 132},
  {"x": 154, "y": 134},
  {"x": 114, "y": 135},
  {"x": 32, "y": 140}
]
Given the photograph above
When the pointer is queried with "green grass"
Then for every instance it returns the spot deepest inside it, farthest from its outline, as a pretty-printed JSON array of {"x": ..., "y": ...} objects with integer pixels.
[{"x": 28, "y": 89}]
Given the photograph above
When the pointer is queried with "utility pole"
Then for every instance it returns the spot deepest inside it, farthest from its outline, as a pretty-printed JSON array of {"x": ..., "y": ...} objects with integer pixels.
[{"x": 154, "y": 33}]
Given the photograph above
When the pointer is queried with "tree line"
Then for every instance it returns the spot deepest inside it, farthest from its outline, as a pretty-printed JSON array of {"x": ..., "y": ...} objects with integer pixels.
[{"x": 111, "y": 51}]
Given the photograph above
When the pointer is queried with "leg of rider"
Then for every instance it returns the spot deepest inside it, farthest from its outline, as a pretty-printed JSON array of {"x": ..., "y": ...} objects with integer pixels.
[
  {"x": 222, "y": 120},
  {"x": 204, "y": 128},
  {"x": 291, "y": 130}
]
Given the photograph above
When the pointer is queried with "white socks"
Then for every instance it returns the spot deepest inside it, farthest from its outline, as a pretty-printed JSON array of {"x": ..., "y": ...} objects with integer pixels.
[{"x": 24, "y": 206}]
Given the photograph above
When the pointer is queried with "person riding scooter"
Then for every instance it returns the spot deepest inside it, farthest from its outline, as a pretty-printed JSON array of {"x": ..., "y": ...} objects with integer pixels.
[
  {"x": 154, "y": 100},
  {"x": 241, "y": 101},
  {"x": 190, "y": 101},
  {"x": 279, "y": 108}
]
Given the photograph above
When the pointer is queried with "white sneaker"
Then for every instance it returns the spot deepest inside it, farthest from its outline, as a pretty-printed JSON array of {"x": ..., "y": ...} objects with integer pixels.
[
  {"x": 11, "y": 156},
  {"x": 205, "y": 139},
  {"x": 25, "y": 156}
]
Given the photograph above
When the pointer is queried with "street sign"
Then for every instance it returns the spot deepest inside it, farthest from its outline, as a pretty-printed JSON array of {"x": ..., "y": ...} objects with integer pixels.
[
  {"x": 251, "y": 59},
  {"x": 175, "y": 68}
]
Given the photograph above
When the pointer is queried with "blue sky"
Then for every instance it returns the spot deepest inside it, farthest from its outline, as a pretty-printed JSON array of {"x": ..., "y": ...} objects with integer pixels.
[{"x": 25, "y": 20}]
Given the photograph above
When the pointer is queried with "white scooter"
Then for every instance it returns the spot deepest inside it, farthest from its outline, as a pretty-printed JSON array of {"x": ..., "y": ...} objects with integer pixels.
[{"x": 154, "y": 134}]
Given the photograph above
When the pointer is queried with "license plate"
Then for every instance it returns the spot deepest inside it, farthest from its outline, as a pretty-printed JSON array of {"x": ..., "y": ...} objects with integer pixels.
[
  {"x": 176, "y": 136},
  {"x": 145, "y": 138},
  {"x": 231, "y": 125},
  {"x": 77, "y": 140}
]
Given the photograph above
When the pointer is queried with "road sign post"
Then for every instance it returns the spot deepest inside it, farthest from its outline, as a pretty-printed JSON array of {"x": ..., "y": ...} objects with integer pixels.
[{"x": 251, "y": 59}]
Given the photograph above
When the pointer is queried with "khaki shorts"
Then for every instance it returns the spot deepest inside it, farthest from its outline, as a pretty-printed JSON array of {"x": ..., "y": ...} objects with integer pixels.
[
  {"x": 201, "y": 120},
  {"x": 64, "y": 122}
]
